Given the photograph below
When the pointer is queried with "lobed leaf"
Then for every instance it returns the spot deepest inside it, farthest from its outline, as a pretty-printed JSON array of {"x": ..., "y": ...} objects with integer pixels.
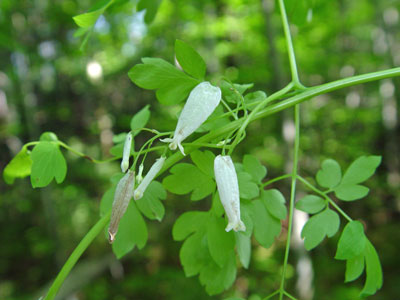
[
  {"x": 89, "y": 19},
  {"x": 150, "y": 204},
  {"x": 311, "y": 204},
  {"x": 253, "y": 166},
  {"x": 220, "y": 243},
  {"x": 186, "y": 178},
  {"x": 352, "y": 241},
  {"x": 188, "y": 223},
  {"x": 172, "y": 85},
  {"x": 190, "y": 61},
  {"x": 243, "y": 248},
  {"x": 132, "y": 231},
  {"x": 275, "y": 203},
  {"x": 374, "y": 279},
  {"x": 325, "y": 223},
  {"x": 151, "y": 7},
  {"x": 330, "y": 174},
  {"x": 204, "y": 160},
  {"x": 47, "y": 163},
  {"x": 140, "y": 119},
  {"x": 349, "y": 192},
  {"x": 19, "y": 167},
  {"x": 247, "y": 188},
  {"x": 361, "y": 169},
  {"x": 354, "y": 267}
]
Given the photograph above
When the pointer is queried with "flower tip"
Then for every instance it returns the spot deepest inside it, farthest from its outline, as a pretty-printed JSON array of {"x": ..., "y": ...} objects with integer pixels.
[
  {"x": 137, "y": 195},
  {"x": 124, "y": 166},
  {"x": 111, "y": 237}
]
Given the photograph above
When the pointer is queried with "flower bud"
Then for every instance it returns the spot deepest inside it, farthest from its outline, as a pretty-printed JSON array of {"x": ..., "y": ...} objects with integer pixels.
[
  {"x": 127, "y": 152},
  {"x": 122, "y": 196},
  {"x": 202, "y": 101},
  {"x": 228, "y": 189},
  {"x": 155, "y": 168}
]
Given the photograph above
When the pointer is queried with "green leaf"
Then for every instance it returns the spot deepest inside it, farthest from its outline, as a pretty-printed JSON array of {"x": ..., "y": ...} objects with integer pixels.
[
  {"x": 89, "y": 19},
  {"x": 311, "y": 204},
  {"x": 243, "y": 248},
  {"x": 48, "y": 136},
  {"x": 330, "y": 174},
  {"x": 247, "y": 188},
  {"x": 361, "y": 169},
  {"x": 266, "y": 226},
  {"x": 275, "y": 203},
  {"x": 151, "y": 7},
  {"x": 190, "y": 61},
  {"x": 186, "y": 178},
  {"x": 374, "y": 271},
  {"x": 351, "y": 192},
  {"x": 216, "y": 206},
  {"x": 150, "y": 204},
  {"x": 220, "y": 242},
  {"x": 231, "y": 92},
  {"x": 217, "y": 279},
  {"x": 318, "y": 226},
  {"x": 140, "y": 119},
  {"x": 19, "y": 167},
  {"x": 298, "y": 11},
  {"x": 172, "y": 85},
  {"x": 204, "y": 160},
  {"x": 47, "y": 163},
  {"x": 132, "y": 231},
  {"x": 253, "y": 166},
  {"x": 194, "y": 253},
  {"x": 354, "y": 267},
  {"x": 352, "y": 241},
  {"x": 188, "y": 223},
  {"x": 252, "y": 98}
]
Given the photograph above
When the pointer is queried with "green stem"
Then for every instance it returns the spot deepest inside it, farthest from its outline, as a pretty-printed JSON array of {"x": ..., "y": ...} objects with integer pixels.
[
  {"x": 292, "y": 197},
  {"x": 271, "y": 295},
  {"x": 229, "y": 109},
  {"x": 290, "y": 296},
  {"x": 289, "y": 46},
  {"x": 275, "y": 180},
  {"x": 326, "y": 88},
  {"x": 73, "y": 258},
  {"x": 325, "y": 196},
  {"x": 252, "y": 115}
]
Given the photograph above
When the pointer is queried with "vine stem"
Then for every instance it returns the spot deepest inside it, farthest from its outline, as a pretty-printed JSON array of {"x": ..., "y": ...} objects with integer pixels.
[
  {"x": 76, "y": 254},
  {"x": 292, "y": 197},
  {"x": 289, "y": 46}
]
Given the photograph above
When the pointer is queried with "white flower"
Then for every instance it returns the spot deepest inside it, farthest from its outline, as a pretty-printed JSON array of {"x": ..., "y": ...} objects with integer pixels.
[
  {"x": 202, "y": 101},
  {"x": 228, "y": 189},
  {"x": 127, "y": 152},
  {"x": 122, "y": 196},
  {"x": 155, "y": 168}
]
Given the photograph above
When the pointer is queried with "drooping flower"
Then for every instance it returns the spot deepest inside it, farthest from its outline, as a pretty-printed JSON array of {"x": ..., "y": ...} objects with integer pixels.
[
  {"x": 202, "y": 101},
  {"x": 126, "y": 153},
  {"x": 123, "y": 194},
  {"x": 155, "y": 168},
  {"x": 228, "y": 189}
]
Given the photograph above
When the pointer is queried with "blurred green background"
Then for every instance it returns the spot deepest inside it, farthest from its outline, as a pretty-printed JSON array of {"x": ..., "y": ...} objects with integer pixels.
[{"x": 48, "y": 84}]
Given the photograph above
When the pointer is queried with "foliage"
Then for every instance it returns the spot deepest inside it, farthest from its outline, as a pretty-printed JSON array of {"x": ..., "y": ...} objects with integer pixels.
[{"x": 206, "y": 250}]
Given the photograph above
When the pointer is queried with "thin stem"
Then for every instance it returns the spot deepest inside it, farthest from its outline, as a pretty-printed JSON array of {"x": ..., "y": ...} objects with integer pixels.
[
  {"x": 290, "y": 296},
  {"x": 292, "y": 196},
  {"x": 229, "y": 109},
  {"x": 324, "y": 195},
  {"x": 289, "y": 45},
  {"x": 73, "y": 258},
  {"x": 271, "y": 295},
  {"x": 252, "y": 115},
  {"x": 275, "y": 180}
]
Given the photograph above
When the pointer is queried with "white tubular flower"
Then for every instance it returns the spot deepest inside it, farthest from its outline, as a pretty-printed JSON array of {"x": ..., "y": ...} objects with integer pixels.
[
  {"x": 155, "y": 168},
  {"x": 228, "y": 189},
  {"x": 122, "y": 196},
  {"x": 126, "y": 153},
  {"x": 202, "y": 101}
]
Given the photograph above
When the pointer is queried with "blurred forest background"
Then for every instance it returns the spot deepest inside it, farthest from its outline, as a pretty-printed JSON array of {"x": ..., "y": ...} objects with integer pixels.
[{"x": 48, "y": 84}]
